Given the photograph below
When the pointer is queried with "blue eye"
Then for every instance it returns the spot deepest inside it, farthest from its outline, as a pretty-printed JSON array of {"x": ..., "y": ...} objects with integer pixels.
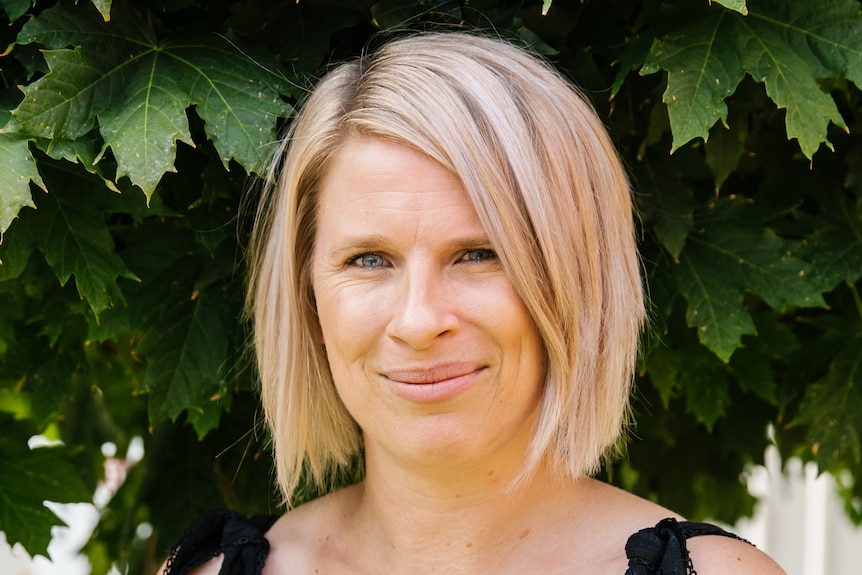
[
  {"x": 369, "y": 261},
  {"x": 479, "y": 255}
]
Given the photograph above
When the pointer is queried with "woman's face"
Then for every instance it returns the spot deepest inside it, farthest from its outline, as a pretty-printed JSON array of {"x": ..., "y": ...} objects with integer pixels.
[{"x": 431, "y": 349}]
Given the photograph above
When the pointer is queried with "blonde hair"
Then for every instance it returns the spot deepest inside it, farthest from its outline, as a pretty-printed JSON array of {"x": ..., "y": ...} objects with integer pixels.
[{"x": 547, "y": 185}]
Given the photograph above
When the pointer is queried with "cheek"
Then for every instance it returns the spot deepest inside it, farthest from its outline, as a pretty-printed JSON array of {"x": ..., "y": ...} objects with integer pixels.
[{"x": 351, "y": 322}]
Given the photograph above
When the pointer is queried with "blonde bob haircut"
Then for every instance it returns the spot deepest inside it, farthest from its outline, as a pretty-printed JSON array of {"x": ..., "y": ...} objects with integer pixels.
[{"x": 547, "y": 185}]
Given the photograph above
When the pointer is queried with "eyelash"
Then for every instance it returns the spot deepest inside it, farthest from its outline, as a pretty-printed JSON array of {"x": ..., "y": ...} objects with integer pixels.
[
  {"x": 356, "y": 260},
  {"x": 487, "y": 254}
]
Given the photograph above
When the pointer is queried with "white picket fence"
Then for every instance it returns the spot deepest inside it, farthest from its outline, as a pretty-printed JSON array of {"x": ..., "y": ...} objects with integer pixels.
[{"x": 800, "y": 521}]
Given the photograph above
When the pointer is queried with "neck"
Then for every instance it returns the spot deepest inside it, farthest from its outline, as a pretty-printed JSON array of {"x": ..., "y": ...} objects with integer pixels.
[{"x": 474, "y": 521}]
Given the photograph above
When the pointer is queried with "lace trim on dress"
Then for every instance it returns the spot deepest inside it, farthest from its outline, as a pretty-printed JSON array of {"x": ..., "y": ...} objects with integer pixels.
[
  {"x": 662, "y": 550},
  {"x": 239, "y": 540}
]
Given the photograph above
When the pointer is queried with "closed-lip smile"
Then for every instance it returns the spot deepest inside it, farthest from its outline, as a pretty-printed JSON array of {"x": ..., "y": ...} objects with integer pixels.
[{"x": 434, "y": 383}]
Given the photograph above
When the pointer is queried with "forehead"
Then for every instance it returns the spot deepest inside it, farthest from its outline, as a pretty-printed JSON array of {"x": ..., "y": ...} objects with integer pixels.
[{"x": 375, "y": 173}]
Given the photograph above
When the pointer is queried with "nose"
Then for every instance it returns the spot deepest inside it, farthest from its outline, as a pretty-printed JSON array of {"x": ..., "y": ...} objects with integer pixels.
[{"x": 422, "y": 310}]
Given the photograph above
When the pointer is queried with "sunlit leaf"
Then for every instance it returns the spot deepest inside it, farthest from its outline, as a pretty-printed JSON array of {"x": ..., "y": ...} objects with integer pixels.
[
  {"x": 27, "y": 478},
  {"x": 17, "y": 170},
  {"x": 738, "y": 5},
  {"x": 139, "y": 90},
  {"x": 704, "y": 68},
  {"x": 104, "y": 8}
]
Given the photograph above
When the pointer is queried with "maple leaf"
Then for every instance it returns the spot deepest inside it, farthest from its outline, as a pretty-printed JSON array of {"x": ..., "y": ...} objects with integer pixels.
[
  {"x": 786, "y": 45},
  {"x": 832, "y": 407},
  {"x": 186, "y": 358},
  {"x": 17, "y": 170},
  {"x": 731, "y": 254},
  {"x": 139, "y": 91},
  {"x": 47, "y": 475},
  {"x": 738, "y": 5}
]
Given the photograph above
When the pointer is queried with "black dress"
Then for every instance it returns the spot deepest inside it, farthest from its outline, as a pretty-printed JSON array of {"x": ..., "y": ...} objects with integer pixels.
[{"x": 659, "y": 550}]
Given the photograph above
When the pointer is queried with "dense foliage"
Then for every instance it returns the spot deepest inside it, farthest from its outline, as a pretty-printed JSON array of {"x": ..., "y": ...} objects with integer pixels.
[{"x": 129, "y": 130}]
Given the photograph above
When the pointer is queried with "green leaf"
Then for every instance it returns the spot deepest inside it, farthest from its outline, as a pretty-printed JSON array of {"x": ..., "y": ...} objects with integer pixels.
[
  {"x": 160, "y": 257},
  {"x": 27, "y": 478},
  {"x": 826, "y": 34},
  {"x": 738, "y": 5},
  {"x": 724, "y": 148},
  {"x": 703, "y": 65},
  {"x": 665, "y": 202},
  {"x": 786, "y": 45},
  {"x": 662, "y": 291},
  {"x": 681, "y": 367},
  {"x": 664, "y": 374},
  {"x": 834, "y": 246},
  {"x": 398, "y": 14},
  {"x": 790, "y": 80},
  {"x": 15, "y": 250},
  {"x": 832, "y": 408},
  {"x": 753, "y": 363},
  {"x": 83, "y": 151},
  {"x": 186, "y": 357},
  {"x": 144, "y": 127},
  {"x": 714, "y": 307},
  {"x": 236, "y": 96},
  {"x": 634, "y": 54},
  {"x": 732, "y": 255},
  {"x": 63, "y": 103},
  {"x": 140, "y": 91},
  {"x": 9, "y": 100},
  {"x": 75, "y": 239},
  {"x": 15, "y": 8},
  {"x": 754, "y": 373},
  {"x": 17, "y": 170},
  {"x": 104, "y": 8}
]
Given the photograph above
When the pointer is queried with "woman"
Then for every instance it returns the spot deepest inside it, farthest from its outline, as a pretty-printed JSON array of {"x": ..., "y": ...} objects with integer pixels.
[{"x": 445, "y": 282}]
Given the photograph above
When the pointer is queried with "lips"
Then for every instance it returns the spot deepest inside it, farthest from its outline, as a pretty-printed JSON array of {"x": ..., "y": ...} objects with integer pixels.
[
  {"x": 433, "y": 384},
  {"x": 434, "y": 374}
]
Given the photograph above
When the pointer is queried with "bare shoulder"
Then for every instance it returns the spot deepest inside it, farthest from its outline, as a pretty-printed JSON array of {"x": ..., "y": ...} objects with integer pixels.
[
  {"x": 629, "y": 512},
  {"x": 293, "y": 539},
  {"x": 211, "y": 567},
  {"x": 712, "y": 555},
  {"x": 626, "y": 514},
  {"x": 310, "y": 535}
]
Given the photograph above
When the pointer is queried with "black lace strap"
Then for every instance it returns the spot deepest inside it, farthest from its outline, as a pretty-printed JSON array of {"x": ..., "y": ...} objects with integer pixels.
[
  {"x": 238, "y": 539},
  {"x": 661, "y": 550}
]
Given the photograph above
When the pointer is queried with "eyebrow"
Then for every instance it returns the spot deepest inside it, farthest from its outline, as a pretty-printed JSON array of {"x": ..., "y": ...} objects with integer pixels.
[{"x": 373, "y": 242}]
